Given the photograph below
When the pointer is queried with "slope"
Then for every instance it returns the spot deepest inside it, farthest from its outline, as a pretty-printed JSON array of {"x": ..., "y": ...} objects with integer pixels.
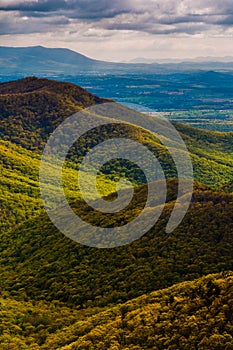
[
  {"x": 39, "y": 262},
  {"x": 188, "y": 315},
  {"x": 20, "y": 194},
  {"x": 32, "y": 108},
  {"x": 19, "y": 184}
]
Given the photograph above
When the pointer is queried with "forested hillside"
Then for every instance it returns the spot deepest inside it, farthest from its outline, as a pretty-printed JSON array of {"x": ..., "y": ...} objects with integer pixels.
[
  {"x": 58, "y": 294},
  {"x": 190, "y": 315},
  {"x": 20, "y": 192},
  {"x": 38, "y": 262},
  {"x": 32, "y": 108}
]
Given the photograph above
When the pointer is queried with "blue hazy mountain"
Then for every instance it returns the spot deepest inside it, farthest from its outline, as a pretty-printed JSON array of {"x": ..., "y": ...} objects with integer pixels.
[{"x": 42, "y": 61}]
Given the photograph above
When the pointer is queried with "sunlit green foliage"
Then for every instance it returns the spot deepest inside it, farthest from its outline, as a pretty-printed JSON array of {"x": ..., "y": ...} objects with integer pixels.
[
  {"x": 20, "y": 192},
  {"x": 41, "y": 263},
  {"x": 53, "y": 288},
  {"x": 21, "y": 104}
]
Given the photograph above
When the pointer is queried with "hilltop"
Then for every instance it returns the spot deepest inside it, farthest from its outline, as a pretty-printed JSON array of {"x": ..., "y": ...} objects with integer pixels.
[
  {"x": 32, "y": 108},
  {"x": 58, "y": 294}
]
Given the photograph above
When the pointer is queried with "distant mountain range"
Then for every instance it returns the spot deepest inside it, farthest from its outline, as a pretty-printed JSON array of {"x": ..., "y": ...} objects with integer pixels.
[
  {"x": 38, "y": 60},
  {"x": 204, "y": 59}
]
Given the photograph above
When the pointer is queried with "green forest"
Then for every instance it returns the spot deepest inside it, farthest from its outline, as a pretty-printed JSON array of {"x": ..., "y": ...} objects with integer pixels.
[
  {"x": 163, "y": 291},
  {"x": 189, "y": 315}
]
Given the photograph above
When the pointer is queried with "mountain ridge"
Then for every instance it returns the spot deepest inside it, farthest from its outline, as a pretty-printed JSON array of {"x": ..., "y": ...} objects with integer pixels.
[
  {"x": 41, "y": 60},
  {"x": 58, "y": 294},
  {"x": 39, "y": 105},
  {"x": 32, "y": 108}
]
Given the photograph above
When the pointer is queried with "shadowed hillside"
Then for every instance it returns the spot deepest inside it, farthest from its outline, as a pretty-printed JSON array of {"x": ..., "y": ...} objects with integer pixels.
[
  {"x": 39, "y": 262},
  {"x": 32, "y": 108},
  {"x": 58, "y": 294},
  {"x": 189, "y": 316}
]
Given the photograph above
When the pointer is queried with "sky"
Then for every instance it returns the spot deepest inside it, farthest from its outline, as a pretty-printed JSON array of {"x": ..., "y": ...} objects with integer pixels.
[{"x": 121, "y": 30}]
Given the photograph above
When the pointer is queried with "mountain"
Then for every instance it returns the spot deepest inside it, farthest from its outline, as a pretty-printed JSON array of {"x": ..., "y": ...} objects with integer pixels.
[
  {"x": 203, "y": 59},
  {"x": 65, "y": 56},
  {"x": 39, "y": 262},
  {"x": 38, "y": 60},
  {"x": 32, "y": 108},
  {"x": 188, "y": 315},
  {"x": 58, "y": 294}
]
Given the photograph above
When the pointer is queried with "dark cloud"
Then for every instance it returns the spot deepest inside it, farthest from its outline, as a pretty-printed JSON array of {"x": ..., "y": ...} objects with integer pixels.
[
  {"x": 160, "y": 29},
  {"x": 227, "y": 21},
  {"x": 40, "y": 6},
  {"x": 151, "y": 16},
  {"x": 27, "y": 25},
  {"x": 86, "y": 9}
]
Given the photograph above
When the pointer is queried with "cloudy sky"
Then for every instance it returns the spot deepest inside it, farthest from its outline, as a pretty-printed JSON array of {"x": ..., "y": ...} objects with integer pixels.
[{"x": 121, "y": 30}]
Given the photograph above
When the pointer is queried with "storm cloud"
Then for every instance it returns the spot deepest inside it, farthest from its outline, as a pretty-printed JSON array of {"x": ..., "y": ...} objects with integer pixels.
[
  {"x": 118, "y": 30},
  {"x": 150, "y": 16}
]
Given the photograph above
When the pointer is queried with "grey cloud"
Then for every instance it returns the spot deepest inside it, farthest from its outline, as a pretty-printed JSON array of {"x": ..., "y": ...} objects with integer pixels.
[
  {"x": 227, "y": 21},
  {"x": 86, "y": 9},
  {"x": 21, "y": 25},
  {"x": 151, "y": 16},
  {"x": 157, "y": 28},
  {"x": 40, "y": 6}
]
